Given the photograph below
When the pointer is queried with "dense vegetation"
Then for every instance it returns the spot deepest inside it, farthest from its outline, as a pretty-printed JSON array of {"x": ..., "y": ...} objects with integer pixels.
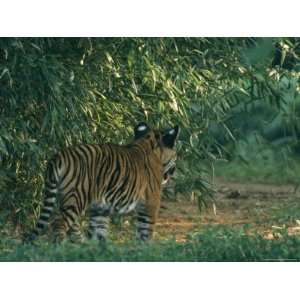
[{"x": 230, "y": 96}]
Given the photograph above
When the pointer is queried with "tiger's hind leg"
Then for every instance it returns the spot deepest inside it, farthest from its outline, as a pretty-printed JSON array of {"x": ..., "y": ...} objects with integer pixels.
[
  {"x": 98, "y": 223},
  {"x": 75, "y": 233},
  {"x": 65, "y": 222}
]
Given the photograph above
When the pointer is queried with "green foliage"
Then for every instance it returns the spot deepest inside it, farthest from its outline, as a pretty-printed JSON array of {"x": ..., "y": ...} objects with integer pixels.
[
  {"x": 254, "y": 160},
  {"x": 61, "y": 91}
]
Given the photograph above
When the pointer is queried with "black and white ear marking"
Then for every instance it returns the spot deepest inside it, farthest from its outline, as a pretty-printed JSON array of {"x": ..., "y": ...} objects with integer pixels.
[
  {"x": 140, "y": 130},
  {"x": 171, "y": 131},
  {"x": 170, "y": 136}
]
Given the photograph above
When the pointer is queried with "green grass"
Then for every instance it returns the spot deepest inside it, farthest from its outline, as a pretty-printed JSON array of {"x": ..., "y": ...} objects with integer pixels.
[
  {"x": 259, "y": 172},
  {"x": 214, "y": 243},
  {"x": 260, "y": 162}
]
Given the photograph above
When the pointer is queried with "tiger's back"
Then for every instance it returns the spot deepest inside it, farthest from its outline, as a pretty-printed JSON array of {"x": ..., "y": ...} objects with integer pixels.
[{"x": 108, "y": 174}]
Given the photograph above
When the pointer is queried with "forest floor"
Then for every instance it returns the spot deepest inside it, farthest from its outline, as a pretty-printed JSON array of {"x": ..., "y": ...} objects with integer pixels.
[{"x": 263, "y": 206}]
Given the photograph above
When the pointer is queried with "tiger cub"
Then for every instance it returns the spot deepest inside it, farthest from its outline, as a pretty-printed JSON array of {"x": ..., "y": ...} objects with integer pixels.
[{"x": 102, "y": 180}]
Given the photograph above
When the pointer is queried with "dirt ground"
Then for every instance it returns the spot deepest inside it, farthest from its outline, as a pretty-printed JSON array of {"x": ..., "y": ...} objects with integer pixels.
[{"x": 265, "y": 207}]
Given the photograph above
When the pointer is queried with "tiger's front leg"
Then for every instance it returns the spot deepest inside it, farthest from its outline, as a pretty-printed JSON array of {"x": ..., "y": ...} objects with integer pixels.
[{"x": 146, "y": 219}]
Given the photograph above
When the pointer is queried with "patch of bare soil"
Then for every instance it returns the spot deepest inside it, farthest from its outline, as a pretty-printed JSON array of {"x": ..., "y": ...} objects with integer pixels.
[{"x": 265, "y": 207}]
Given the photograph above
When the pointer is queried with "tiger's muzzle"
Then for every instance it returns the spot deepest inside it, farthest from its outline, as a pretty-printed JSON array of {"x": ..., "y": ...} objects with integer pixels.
[{"x": 168, "y": 174}]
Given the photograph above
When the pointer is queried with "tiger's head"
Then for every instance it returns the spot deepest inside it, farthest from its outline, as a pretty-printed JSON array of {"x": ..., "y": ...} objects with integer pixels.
[{"x": 161, "y": 142}]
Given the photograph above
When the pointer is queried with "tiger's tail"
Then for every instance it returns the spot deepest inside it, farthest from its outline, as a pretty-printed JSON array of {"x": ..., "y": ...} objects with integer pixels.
[{"x": 49, "y": 203}]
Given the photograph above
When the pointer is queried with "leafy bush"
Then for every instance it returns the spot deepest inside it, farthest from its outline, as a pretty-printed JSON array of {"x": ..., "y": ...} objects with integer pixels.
[{"x": 61, "y": 91}]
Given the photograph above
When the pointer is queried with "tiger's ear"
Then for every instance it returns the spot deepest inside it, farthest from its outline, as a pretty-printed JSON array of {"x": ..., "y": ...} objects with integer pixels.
[
  {"x": 169, "y": 137},
  {"x": 140, "y": 130}
]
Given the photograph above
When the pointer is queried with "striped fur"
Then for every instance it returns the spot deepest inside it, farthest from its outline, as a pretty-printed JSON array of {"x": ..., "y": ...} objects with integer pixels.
[{"x": 101, "y": 180}]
